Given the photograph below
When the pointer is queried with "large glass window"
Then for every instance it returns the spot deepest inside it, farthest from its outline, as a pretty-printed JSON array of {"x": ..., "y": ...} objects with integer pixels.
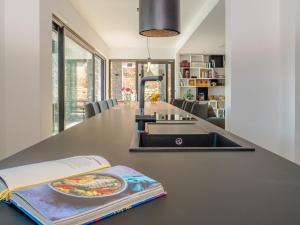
[
  {"x": 79, "y": 84},
  {"x": 123, "y": 75},
  {"x": 128, "y": 73},
  {"x": 78, "y": 76},
  {"x": 55, "y": 100},
  {"x": 99, "y": 79}
]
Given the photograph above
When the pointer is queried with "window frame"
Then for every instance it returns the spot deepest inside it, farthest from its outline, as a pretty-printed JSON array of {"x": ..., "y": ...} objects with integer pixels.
[{"x": 65, "y": 31}]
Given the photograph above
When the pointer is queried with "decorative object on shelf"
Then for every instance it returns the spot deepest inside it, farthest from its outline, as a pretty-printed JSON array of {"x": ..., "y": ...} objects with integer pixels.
[
  {"x": 186, "y": 73},
  {"x": 185, "y": 63},
  {"x": 212, "y": 97},
  {"x": 221, "y": 113},
  {"x": 217, "y": 61},
  {"x": 206, "y": 73},
  {"x": 154, "y": 97},
  {"x": 181, "y": 83},
  {"x": 192, "y": 83},
  {"x": 213, "y": 104},
  {"x": 202, "y": 83},
  {"x": 201, "y": 97},
  {"x": 221, "y": 97},
  {"x": 188, "y": 95},
  {"x": 127, "y": 92},
  {"x": 213, "y": 84},
  {"x": 159, "y": 18}
]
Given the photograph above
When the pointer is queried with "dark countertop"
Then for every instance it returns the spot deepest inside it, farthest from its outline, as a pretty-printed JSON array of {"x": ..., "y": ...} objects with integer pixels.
[{"x": 209, "y": 188}]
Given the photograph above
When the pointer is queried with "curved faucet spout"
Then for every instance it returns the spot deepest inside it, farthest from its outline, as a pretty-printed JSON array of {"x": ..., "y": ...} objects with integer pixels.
[{"x": 142, "y": 90}]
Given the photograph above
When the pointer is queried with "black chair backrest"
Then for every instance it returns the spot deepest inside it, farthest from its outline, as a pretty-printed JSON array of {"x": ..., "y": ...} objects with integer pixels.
[
  {"x": 200, "y": 110},
  {"x": 109, "y": 103},
  {"x": 178, "y": 102},
  {"x": 183, "y": 104},
  {"x": 96, "y": 108},
  {"x": 89, "y": 110},
  {"x": 115, "y": 102},
  {"x": 172, "y": 101},
  {"x": 102, "y": 105},
  {"x": 188, "y": 106}
]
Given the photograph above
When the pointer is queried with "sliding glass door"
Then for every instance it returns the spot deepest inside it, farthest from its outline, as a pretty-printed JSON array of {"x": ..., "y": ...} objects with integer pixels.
[
  {"x": 123, "y": 76},
  {"x": 78, "y": 76},
  {"x": 99, "y": 78},
  {"x": 128, "y": 73},
  {"x": 79, "y": 84}
]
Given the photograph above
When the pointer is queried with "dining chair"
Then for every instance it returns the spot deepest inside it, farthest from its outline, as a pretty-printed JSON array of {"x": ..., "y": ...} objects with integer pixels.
[
  {"x": 200, "y": 110},
  {"x": 178, "y": 102},
  {"x": 89, "y": 110},
  {"x": 188, "y": 106},
  {"x": 103, "y": 106},
  {"x": 109, "y": 103},
  {"x": 96, "y": 108},
  {"x": 115, "y": 102}
]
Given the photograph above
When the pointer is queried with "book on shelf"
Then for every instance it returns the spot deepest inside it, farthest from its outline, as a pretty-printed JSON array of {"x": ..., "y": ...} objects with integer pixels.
[{"x": 77, "y": 190}]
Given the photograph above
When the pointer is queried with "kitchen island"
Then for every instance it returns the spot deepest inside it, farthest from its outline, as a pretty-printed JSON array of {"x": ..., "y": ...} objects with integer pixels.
[{"x": 209, "y": 188}]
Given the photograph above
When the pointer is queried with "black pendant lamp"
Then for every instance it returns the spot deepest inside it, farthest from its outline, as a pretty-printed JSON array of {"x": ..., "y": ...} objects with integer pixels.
[{"x": 159, "y": 18}]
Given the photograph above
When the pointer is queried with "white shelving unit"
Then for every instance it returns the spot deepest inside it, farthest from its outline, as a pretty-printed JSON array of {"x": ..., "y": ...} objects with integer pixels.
[{"x": 197, "y": 72}]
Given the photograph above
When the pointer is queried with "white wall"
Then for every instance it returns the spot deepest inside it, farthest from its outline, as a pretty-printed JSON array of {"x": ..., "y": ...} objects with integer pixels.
[
  {"x": 2, "y": 116},
  {"x": 22, "y": 101},
  {"x": 297, "y": 78},
  {"x": 287, "y": 70},
  {"x": 27, "y": 68},
  {"x": 260, "y": 72}
]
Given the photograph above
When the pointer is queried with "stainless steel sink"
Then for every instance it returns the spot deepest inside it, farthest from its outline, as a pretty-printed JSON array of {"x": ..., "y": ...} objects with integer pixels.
[{"x": 145, "y": 142}]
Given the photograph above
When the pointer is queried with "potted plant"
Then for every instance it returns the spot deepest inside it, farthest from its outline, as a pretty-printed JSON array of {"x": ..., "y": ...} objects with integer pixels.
[{"x": 188, "y": 95}]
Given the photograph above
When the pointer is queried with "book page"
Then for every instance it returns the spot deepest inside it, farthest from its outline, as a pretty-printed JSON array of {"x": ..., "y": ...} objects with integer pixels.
[
  {"x": 38, "y": 173},
  {"x": 67, "y": 200}
]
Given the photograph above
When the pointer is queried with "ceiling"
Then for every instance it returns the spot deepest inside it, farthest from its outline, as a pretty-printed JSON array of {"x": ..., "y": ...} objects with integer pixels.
[
  {"x": 210, "y": 35},
  {"x": 116, "y": 21}
]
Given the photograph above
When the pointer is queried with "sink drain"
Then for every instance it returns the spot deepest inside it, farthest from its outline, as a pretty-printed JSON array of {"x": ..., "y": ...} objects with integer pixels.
[{"x": 178, "y": 141}]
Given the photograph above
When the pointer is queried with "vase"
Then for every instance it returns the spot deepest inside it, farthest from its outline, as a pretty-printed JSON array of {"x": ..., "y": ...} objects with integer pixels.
[{"x": 127, "y": 98}]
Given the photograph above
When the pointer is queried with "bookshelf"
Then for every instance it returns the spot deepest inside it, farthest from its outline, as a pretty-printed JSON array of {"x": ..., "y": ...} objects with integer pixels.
[{"x": 202, "y": 75}]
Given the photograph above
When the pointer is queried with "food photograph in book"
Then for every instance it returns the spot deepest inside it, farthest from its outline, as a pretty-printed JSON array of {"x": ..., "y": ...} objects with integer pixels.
[{"x": 69, "y": 197}]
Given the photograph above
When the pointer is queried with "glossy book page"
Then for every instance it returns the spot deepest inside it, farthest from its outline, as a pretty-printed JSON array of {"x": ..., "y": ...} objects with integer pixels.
[
  {"x": 23, "y": 176},
  {"x": 68, "y": 198}
]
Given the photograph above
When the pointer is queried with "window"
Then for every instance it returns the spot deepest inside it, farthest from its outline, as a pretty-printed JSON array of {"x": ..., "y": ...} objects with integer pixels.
[
  {"x": 99, "y": 78},
  {"x": 55, "y": 102},
  {"x": 78, "y": 76},
  {"x": 123, "y": 75},
  {"x": 128, "y": 73},
  {"x": 79, "y": 84}
]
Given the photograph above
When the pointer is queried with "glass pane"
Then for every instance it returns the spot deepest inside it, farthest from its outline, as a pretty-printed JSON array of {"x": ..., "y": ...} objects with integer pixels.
[
  {"x": 78, "y": 81},
  {"x": 170, "y": 81},
  {"x": 55, "y": 105},
  {"x": 123, "y": 76},
  {"x": 152, "y": 87},
  {"x": 98, "y": 79}
]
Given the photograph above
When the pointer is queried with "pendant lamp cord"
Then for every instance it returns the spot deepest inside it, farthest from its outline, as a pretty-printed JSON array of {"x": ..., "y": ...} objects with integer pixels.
[{"x": 149, "y": 56}]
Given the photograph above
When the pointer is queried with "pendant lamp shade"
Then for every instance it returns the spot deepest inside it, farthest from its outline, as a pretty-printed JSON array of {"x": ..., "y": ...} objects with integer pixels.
[{"x": 159, "y": 18}]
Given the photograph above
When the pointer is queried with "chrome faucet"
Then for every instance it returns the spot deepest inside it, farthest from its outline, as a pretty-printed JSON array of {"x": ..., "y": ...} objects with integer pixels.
[{"x": 141, "y": 119}]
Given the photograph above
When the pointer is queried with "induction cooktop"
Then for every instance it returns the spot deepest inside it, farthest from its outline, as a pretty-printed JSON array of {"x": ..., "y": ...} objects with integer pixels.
[{"x": 174, "y": 117}]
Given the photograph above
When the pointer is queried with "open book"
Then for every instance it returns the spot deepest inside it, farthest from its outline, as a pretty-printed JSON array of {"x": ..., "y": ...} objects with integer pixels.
[{"x": 78, "y": 190}]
